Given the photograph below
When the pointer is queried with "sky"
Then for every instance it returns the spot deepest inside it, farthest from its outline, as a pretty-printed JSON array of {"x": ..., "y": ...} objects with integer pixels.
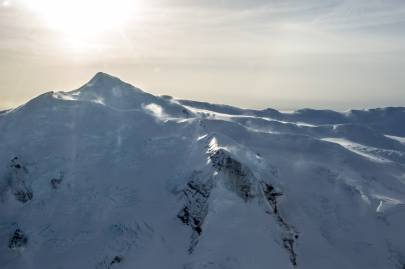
[{"x": 281, "y": 54}]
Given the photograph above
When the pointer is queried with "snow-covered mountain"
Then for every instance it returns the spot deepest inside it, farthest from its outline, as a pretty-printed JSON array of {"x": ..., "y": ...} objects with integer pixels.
[{"x": 109, "y": 176}]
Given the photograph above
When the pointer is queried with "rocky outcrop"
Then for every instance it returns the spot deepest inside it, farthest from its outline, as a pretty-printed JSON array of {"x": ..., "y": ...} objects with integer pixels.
[
  {"x": 16, "y": 181},
  {"x": 195, "y": 195},
  {"x": 288, "y": 244},
  {"x": 290, "y": 236},
  {"x": 109, "y": 263},
  {"x": 116, "y": 260},
  {"x": 56, "y": 181},
  {"x": 18, "y": 240},
  {"x": 271, "y": 195},
  {"x": 240, "y": 179},
  {"x": 238, "y": 176}
]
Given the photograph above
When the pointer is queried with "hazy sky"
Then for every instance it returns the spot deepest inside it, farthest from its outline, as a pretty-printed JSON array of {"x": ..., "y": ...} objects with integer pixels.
[{"x": 256, "y": 53}]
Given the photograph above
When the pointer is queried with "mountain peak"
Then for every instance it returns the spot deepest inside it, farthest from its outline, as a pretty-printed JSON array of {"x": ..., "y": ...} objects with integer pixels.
[
  {"x": 102, "y": 75},
  {"x": 103, "y": 78},
  {"x": 103, "y": 84},
  {"x": 107, "y": 89}
]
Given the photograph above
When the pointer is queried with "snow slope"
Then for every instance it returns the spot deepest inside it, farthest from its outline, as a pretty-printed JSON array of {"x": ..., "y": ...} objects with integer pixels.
[{"x": 109, "y": 176}]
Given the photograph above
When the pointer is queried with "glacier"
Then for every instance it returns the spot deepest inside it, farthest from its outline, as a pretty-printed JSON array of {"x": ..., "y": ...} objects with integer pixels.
[{"x": 110, "y": 176}]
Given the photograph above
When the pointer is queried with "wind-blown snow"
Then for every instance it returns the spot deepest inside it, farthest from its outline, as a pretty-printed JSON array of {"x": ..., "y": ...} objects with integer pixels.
[
  {"x": 109, "y": 176},
  {"x": 397, "y": 138}
]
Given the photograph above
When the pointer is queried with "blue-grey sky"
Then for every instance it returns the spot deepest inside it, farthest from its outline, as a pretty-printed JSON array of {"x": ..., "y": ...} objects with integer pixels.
[{"x": 258, "y": 53}]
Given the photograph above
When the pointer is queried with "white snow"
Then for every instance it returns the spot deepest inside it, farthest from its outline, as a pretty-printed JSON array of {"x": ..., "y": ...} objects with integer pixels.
[
  {"x": 397, "y": 138},
  {"x": 109, "y": 176},
  {"x": 359, "y": 149}
]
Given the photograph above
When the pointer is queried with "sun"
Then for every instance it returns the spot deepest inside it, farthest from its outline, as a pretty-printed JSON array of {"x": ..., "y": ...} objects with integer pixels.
[{"x": 83, "y": 17}]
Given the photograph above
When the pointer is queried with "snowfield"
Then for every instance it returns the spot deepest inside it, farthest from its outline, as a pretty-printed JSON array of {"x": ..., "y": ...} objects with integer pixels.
[{"x": 109, "y": 176}]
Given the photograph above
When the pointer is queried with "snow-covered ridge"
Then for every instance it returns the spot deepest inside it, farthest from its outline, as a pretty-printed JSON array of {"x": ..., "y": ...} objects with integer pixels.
[{"x": 110, "y": 176}]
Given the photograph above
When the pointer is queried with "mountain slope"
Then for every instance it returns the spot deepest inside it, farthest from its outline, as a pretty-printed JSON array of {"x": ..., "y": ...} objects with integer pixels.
[{"x": 109, "y": 176}]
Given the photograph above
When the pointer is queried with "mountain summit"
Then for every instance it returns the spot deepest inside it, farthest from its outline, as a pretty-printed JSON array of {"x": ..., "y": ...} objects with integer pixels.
[
  {"x": 111, "y": 90},
  {"x": 110, "y": 176},
  {"x": 102, "y": 82}
]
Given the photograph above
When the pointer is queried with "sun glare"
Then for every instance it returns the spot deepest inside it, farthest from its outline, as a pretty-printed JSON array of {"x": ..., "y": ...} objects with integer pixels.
[{"x": 82, "y": 17}]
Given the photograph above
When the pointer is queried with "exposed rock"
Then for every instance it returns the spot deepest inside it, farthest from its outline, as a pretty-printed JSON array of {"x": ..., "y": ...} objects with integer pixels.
[
  {"x": 117, "y": 259},
  {"x": 291, "y": 235},
  {"x": 17, "y": 176},
  {"x": 244, "y": 183},
  {"x": 288, "y": 244},
  {"x": 14, "y": 163},
  {"x": 23, "y": 195},
  {"x": 196, "y": 194},
  {"x": 239, "y": 176},
  {"x": 55, "y": 182},
  {"x": 271, "y": 196},
  {"x": 18, "y": 240}
]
